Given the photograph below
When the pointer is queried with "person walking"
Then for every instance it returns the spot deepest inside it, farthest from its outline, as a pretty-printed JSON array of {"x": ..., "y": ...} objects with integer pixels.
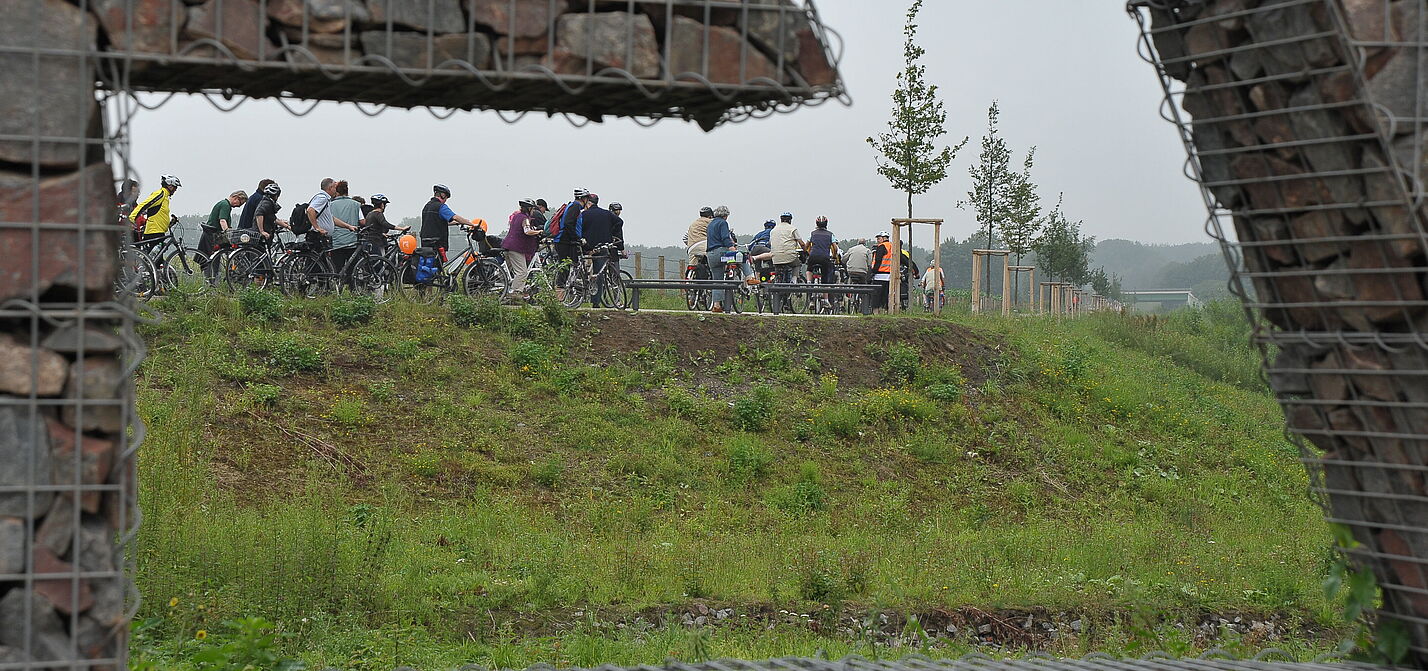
[
  {"x": 522, "y": 237},
  {"x": 347, "y": 219},
  {"x": 245, "y": 219},
  {"x": 220, "y": 219},
  {"x": 882, "y": 270},
  {"x": 376, "y": 226},
  {"x": 597, "y": 226},
  {"x": 151, "y": 216}
]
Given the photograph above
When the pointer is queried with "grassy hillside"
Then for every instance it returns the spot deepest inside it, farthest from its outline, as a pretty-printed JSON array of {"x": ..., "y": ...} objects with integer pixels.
[{"x": 463, "y": 483}]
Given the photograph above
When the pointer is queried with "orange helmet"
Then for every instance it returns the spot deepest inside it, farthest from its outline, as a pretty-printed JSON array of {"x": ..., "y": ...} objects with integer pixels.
[
  {"x": 407, "y": 243},
  {"x": 479, "y": 223}
]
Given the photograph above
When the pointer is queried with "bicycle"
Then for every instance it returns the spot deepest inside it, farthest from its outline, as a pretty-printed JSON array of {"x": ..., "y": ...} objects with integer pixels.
[
  {"x": 137, "y": 276},
  {"x": 609, "y": 282},
  {"x": 697, "y": 299},
  {"x": 733, "y": 262},
  {"x": 247, "y": 260},
  {"x": 486, "y": 273},
  {"x": 179, "y": 269}
]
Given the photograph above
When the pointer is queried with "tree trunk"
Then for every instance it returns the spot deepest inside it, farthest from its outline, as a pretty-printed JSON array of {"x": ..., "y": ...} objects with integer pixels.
[{"x": 910, "y": 251}]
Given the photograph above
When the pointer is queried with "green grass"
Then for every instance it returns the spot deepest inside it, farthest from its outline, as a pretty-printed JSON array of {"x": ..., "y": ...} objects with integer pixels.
[{"x": 412, "y": 491}]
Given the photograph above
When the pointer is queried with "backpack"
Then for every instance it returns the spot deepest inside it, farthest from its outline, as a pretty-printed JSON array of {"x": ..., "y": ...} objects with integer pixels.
[
  {"x": 298, "y": 222},
  {"x": 427, "y": 265},
  {"x": 552, "y": 225}
]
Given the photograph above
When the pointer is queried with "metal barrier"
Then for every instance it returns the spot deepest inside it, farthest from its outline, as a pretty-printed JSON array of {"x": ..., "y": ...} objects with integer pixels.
[
  {"x": 785, "y": 288},
  {"x": 635, "y": 286},
  {"x": 1304, "y": 123}
]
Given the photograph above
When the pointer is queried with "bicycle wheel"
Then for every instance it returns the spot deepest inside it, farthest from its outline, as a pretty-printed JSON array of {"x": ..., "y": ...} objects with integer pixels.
[
  {"x": 373, "y": 276},
  {"x": 612, "y": 294},
  {"x": 186, "y": 271},
  {"x": 301, "y": 274},
  {"x": 625, "y": 279},
  {"x": 486, "y": 277},
  {"x": 248, "y": 267},
  {"x": 137, "y": 276},
  {"x": 575, "y": 288},
  {"x": 424, "y": 293},
  {"x": 695, "y": 299}
]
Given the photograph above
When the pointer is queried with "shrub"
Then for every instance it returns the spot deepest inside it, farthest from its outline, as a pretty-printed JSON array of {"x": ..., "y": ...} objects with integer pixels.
[
  {"x": 530, "y": 354},
  {"x": 382, "y": 390},
  {"x": 680, "y": 400},
  {"x": 948, "y": 393},
  {"x": 804, "y": 496},
  {"x": 902, "y": 363},
  {"x": 753, "y": 410},
  {"x": 839, "y": 420},
  {"x": 290, "y": 354},
  {"x": 547, "y": 473},
  {"x": 349, "y": 310},
  {"x": 263, "y": 395},
  {"x": 748, "y": 460},
  {"x": 471, "y": 312},
  {"x": 264, "y": 305},
  {"x": 887, "y": 404},
  {"x": 826, "y": 577}
]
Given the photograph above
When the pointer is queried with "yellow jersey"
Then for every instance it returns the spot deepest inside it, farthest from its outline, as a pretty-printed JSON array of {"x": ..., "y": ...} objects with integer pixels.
[{"x": 156, "y": 208}]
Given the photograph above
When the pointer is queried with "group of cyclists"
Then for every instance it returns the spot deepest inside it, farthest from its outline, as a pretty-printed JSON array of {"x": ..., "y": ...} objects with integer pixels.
[{"x": 336, "y": 240}]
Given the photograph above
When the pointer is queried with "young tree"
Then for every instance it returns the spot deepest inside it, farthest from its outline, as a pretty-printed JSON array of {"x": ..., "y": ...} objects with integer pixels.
[
  {"x": 909, "y": 157},
  {"x": 1061, "y": 251},
  {"x": 1108, "y": 285},
  {"x": 992, "y": 184},
  {"x": 1023, "y": 215}
]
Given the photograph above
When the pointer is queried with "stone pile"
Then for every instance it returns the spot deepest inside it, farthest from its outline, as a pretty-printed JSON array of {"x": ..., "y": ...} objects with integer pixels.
[
  {"x": 1304, "y": 120},
  {"x": 63, "y": 381},
  {"x": 768, "y": 41}
]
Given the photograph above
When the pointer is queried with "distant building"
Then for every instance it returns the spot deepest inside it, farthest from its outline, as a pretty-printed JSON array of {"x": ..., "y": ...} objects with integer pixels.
[{"x": 1160, "y": 300}]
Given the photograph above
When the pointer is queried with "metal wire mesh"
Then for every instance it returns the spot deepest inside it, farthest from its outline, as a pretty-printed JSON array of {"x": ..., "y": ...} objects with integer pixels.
[{"x": 1304, "y": 120}]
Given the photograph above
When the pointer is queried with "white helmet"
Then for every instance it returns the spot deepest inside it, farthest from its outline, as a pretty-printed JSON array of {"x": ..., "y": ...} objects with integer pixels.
[{"x": 169, "y": 181}]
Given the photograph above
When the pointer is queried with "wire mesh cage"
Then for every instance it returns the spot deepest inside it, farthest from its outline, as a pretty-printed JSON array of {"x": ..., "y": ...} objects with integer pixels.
[{"x": 1304, "y": 120}]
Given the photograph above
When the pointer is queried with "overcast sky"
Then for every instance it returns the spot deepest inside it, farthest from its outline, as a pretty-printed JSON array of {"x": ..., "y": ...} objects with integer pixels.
[{"x": 1066, "y": 73}]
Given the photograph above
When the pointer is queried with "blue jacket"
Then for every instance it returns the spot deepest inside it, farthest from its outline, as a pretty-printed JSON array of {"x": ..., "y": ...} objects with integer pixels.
[
  {"x": 761, "y": 238},
  {"x": 597, "y": 226},
  {"x": 719, "y": 235},
  {"x": 570, "y": 224}
]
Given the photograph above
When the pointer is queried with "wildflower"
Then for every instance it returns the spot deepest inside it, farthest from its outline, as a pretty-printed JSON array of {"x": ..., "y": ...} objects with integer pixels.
[
  {"x": 201, "y": 634},
  {"x": 173, "y": 602}
]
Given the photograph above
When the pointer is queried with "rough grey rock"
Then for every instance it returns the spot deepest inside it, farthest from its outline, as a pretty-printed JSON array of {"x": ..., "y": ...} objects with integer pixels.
[
  {"x": 24, "y": 368},
  {"x": 440, "y": 16},
  {"x": 102, "y": 380},
  {"x": 409, "y": 50},
  {"x": 53, "y": 99},
  {"x": 48, "y": 639},
  {"x": 611, "y": 39},
  {"x": 68, "y": 340},
  {"x": 20, "y": 457},
  {"x": 12, "y": 545},
  {"x": 239, "y": 28},
  {"x": 775, "y": 30},
  {"x": 57, "y": 531}
]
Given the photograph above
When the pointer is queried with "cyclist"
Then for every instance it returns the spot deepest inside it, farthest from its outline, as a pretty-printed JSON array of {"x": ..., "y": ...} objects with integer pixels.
[
  {"x": 245, "y": 220},
  {"x": 374, "y": 231},
  {"x": 786, "y": 245},
  {"x": 567, "y": 241},
  {"x": 932, "y": 286},
  {"x": 347, "y": 219},
  {"x": 128, "y": 197},
  {"x": 436, "y": 218},
  {"x": 696, "y": 236},
  {"x": 220, "y": 219},
  {"x": 721, "y": 239},
  {"x": 858, "y": 260},
  {"x": 882, "y": 270},
  {"x": 618, "y": 231},
  {"x": 822, "y": 249},
  {"x": 319, "y": 212},
  {"x": 759, "y": 247},
  {"x": 540, "y": 213},
  {"x": 265, "y": 215},
  {"x": 521, "y": 241},
  {"x": 151, "y": 216},
  {"x": 366, "y": 208},
  {"x": 597, "y": 226}
]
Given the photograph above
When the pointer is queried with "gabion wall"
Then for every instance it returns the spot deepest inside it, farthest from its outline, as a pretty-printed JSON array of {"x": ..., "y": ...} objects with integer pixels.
[{"x": 1304, "y": 123}]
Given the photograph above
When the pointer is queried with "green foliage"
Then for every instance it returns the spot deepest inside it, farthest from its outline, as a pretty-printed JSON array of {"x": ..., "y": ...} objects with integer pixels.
[
  {"x": 263, "y": 395},
  {"x": 291, "y": 354},
  {"x": 530, "y": 354},
  {"x": 803, "y": 496},
  {"x": 260, "y": 304},
  {"x": 827, "y": 577},
  {"x": 902, "y": 363},
  {"x": 1061, "y": 251},
  {"x": 748, "y": 459},
  {"x": 908, "y": 154},
  {"x": 547, "y": 473},
  {"x": 351, "y": 310},
  {"x": 482, "y": 311},
  {"x": 753, "y": 411},
  {"x": 245, "y": 644}
]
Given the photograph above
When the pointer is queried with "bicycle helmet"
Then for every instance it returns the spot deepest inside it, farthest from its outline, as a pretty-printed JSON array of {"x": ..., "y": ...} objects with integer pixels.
[
  {"x": 770, "y": 223},
  {"x": 169, "y": 181},
  {"x": 582, "y": 193},
  {"x": 822, "y": 222},
  {"x": 706, "y": 211},
  {"x": 272, "y": 191},
  {"x": 786, "y": 216},
  {"x": 527, "y": 202},
  {"x": 616, "y": 206},
  {"x": 441, "y": 189},
  {"x": 379, "y": 198},
  {"x": 884, "y": 234}
]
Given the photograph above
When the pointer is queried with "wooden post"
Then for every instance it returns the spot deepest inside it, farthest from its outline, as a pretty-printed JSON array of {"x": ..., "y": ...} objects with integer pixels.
[
  {"x": 1031, "y": 282},
  {"x": 638, "y": 271},
  {"x": 976, "y": 282},
  {"x": 661, "y": 266},
  {"x": 1006, "y": 286},
  {"x": 1055, "y": 294},
  {"x": 895, "y": 278},
  {"x": 937, "y": 264}
]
